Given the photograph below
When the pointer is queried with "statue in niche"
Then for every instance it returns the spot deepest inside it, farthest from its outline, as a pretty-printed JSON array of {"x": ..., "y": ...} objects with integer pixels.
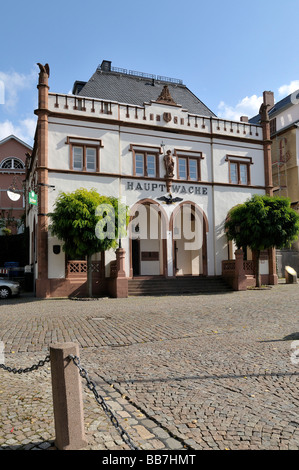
[{"x": 169, "y": 164}]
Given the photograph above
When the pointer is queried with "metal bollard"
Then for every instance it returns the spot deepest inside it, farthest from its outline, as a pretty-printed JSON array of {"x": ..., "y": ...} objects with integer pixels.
[{"x": 67, "y": 398}]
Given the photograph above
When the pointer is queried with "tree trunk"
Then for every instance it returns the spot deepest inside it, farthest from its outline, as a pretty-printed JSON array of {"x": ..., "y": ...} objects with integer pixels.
[
  {"x": 89, "y": 276},
  {"x": 257, "y": 269}
]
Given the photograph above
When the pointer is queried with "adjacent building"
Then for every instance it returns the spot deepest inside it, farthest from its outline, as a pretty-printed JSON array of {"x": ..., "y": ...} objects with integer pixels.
[
  {"x": 151, "y": 142},
  {"x": 12, "y": 175},
  {"x": 284, "y": 133}
]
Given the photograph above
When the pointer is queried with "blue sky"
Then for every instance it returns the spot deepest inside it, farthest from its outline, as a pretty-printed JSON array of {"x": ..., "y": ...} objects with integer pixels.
[{"x": 227, "y": 53}]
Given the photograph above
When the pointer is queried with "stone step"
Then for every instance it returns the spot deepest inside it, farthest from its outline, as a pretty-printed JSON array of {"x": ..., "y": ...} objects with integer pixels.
[{"x": 180, "y": 285}]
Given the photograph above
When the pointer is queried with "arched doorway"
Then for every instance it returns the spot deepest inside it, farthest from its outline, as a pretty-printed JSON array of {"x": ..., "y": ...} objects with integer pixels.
[
  {"x": 189, "y": 226},
  {"x": 148, "y": 244}
]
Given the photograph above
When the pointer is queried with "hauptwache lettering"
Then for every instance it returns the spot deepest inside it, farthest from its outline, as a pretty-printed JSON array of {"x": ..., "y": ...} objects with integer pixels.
[{"x": 175, "y": 188}]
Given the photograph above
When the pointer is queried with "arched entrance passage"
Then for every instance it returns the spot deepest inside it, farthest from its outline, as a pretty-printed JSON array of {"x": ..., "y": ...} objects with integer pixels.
[
  {"x": 148, "y": 239},
  {"x": 189, "y": 226}
]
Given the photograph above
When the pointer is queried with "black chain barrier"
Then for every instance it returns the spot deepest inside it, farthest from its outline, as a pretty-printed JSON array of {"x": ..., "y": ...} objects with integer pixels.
[
  {"x": 100, "y": 400},
  {"x": 90, "y": 385},
  {"x": 27, "y": 369}
]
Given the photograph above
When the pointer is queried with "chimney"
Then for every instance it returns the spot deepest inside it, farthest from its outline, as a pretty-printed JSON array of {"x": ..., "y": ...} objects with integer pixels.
[
  {"x": 244, "y": 118},
  {"x": 268, "y": 97},
  {"x": 106, "y": 65}
]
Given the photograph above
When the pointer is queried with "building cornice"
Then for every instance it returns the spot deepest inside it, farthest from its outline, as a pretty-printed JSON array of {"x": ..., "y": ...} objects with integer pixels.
[{"x": 155, "y": 128}]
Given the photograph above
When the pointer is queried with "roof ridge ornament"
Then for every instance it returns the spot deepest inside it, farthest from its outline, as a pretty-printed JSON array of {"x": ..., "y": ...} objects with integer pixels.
[
  {"x": 44, "y": 68},
  {"x": 165, "y": 96}
]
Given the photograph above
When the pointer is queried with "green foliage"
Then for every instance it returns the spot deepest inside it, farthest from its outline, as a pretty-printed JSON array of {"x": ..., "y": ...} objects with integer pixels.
[
  {"x": 6, "y": 231},
  {"x": 80, "y": 223},
  {"x": 263, "y": 222}
]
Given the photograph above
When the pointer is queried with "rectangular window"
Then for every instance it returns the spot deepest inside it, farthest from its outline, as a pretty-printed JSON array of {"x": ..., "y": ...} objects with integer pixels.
[
  {"x": 234, "y": 173},
  {"x": 193, "y": 171},
  {"x": 91, "y": 159},
  {"x": 84, "y": 154},
  {"x": 188, "y": 164},
  {"x": 151, "y": 165},
  {"x": 189, "y": 168},
  {"x": 243, "y": 173},
  {"x": 145, "y": 163},
  {"x": 183, "y": 168},
  {"x": 139, "y": 164},
  {"x": 239, "y": 170},
  {"x": 78, "y": 158}
]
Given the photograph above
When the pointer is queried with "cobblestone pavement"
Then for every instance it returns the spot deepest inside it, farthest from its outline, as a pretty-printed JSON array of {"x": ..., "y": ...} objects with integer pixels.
[{"x": 179, "y": 372}]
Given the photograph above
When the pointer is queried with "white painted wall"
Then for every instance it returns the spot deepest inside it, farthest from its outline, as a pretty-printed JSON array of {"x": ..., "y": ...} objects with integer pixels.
[
  {"x": 225, "y": 199},
  {"x": 56, "y": 264},
  {"x": 287, "y": 116},
  {"x": 221, "y": 166}
]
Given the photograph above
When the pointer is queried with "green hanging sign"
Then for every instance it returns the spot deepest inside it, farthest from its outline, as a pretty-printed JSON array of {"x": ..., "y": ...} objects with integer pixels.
[{"x": 33, "y": 198}]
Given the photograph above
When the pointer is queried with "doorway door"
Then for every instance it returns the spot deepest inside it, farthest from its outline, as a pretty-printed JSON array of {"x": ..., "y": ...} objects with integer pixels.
[
  {"x": 136, "y": 257},
  {"x": 189, "y": 241}
]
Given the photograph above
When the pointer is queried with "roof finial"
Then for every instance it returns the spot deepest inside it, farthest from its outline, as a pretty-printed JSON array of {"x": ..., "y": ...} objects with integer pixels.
[{"x": 165, "y": 96}]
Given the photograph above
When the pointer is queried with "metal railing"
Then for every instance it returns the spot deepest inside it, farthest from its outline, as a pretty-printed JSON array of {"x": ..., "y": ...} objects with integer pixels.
[{"x": 135, "y": 73}]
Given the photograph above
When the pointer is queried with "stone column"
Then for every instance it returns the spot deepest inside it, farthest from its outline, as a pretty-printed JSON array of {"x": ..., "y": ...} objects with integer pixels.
[
  {"x": 67, "y": 398},
  {"x": 42, "y": 283},
  {"x": 118, "y": 284},
  {"x": 268, "y": 102},
  {"x": 273, "y": 278},
  {"x": 239, "y": 282},
  {"x": 120, "y": 262},
  {"x": 265, "y": 123}
]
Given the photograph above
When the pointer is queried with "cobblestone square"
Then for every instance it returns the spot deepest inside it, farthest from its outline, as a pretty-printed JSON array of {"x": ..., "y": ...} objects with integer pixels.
[{"x": 179, "y": 372}]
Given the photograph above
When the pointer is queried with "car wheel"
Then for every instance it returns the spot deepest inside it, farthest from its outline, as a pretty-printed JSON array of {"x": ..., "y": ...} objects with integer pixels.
[{"x": 4, "y": 292}]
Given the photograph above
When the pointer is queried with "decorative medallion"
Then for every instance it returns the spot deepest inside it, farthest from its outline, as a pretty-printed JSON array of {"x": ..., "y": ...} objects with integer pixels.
[{"x": 167, "y": 117}]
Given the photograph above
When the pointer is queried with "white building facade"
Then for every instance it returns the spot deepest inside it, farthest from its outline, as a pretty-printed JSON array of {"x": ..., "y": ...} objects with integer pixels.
[{"x": 141, "y": 152}]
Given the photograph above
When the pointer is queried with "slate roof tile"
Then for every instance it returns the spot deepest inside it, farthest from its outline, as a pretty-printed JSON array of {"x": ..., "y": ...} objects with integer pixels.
[{"x": 130, "y": 89}]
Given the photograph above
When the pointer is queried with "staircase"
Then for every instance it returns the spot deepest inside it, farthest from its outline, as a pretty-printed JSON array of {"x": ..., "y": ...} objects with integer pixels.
[{"x": 156, "y": 285}]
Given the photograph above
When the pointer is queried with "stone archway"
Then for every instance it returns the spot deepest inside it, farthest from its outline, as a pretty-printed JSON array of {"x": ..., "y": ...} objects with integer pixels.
[
  {"x": 148, "y": 239},
  {"x": 189, "y": 254}
]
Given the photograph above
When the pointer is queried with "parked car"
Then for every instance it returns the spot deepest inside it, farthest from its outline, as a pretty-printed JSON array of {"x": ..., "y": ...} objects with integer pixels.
[{"x": 8, "y": 288}]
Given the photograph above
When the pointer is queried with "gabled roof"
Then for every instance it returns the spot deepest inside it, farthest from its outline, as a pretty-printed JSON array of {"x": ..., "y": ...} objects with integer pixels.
[
  {"x": 6, "y": 139},
  {"x": 109, "y": 83}
]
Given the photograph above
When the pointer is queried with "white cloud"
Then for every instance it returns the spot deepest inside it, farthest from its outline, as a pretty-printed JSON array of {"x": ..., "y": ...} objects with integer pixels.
[
  {"x": 17, "y": 101},
  {"x": 12, "y": 84},
  {"x": 24, "y": 130},
  {"x": 248, "y": 106},
  {"x": 286, "y": 90}
]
